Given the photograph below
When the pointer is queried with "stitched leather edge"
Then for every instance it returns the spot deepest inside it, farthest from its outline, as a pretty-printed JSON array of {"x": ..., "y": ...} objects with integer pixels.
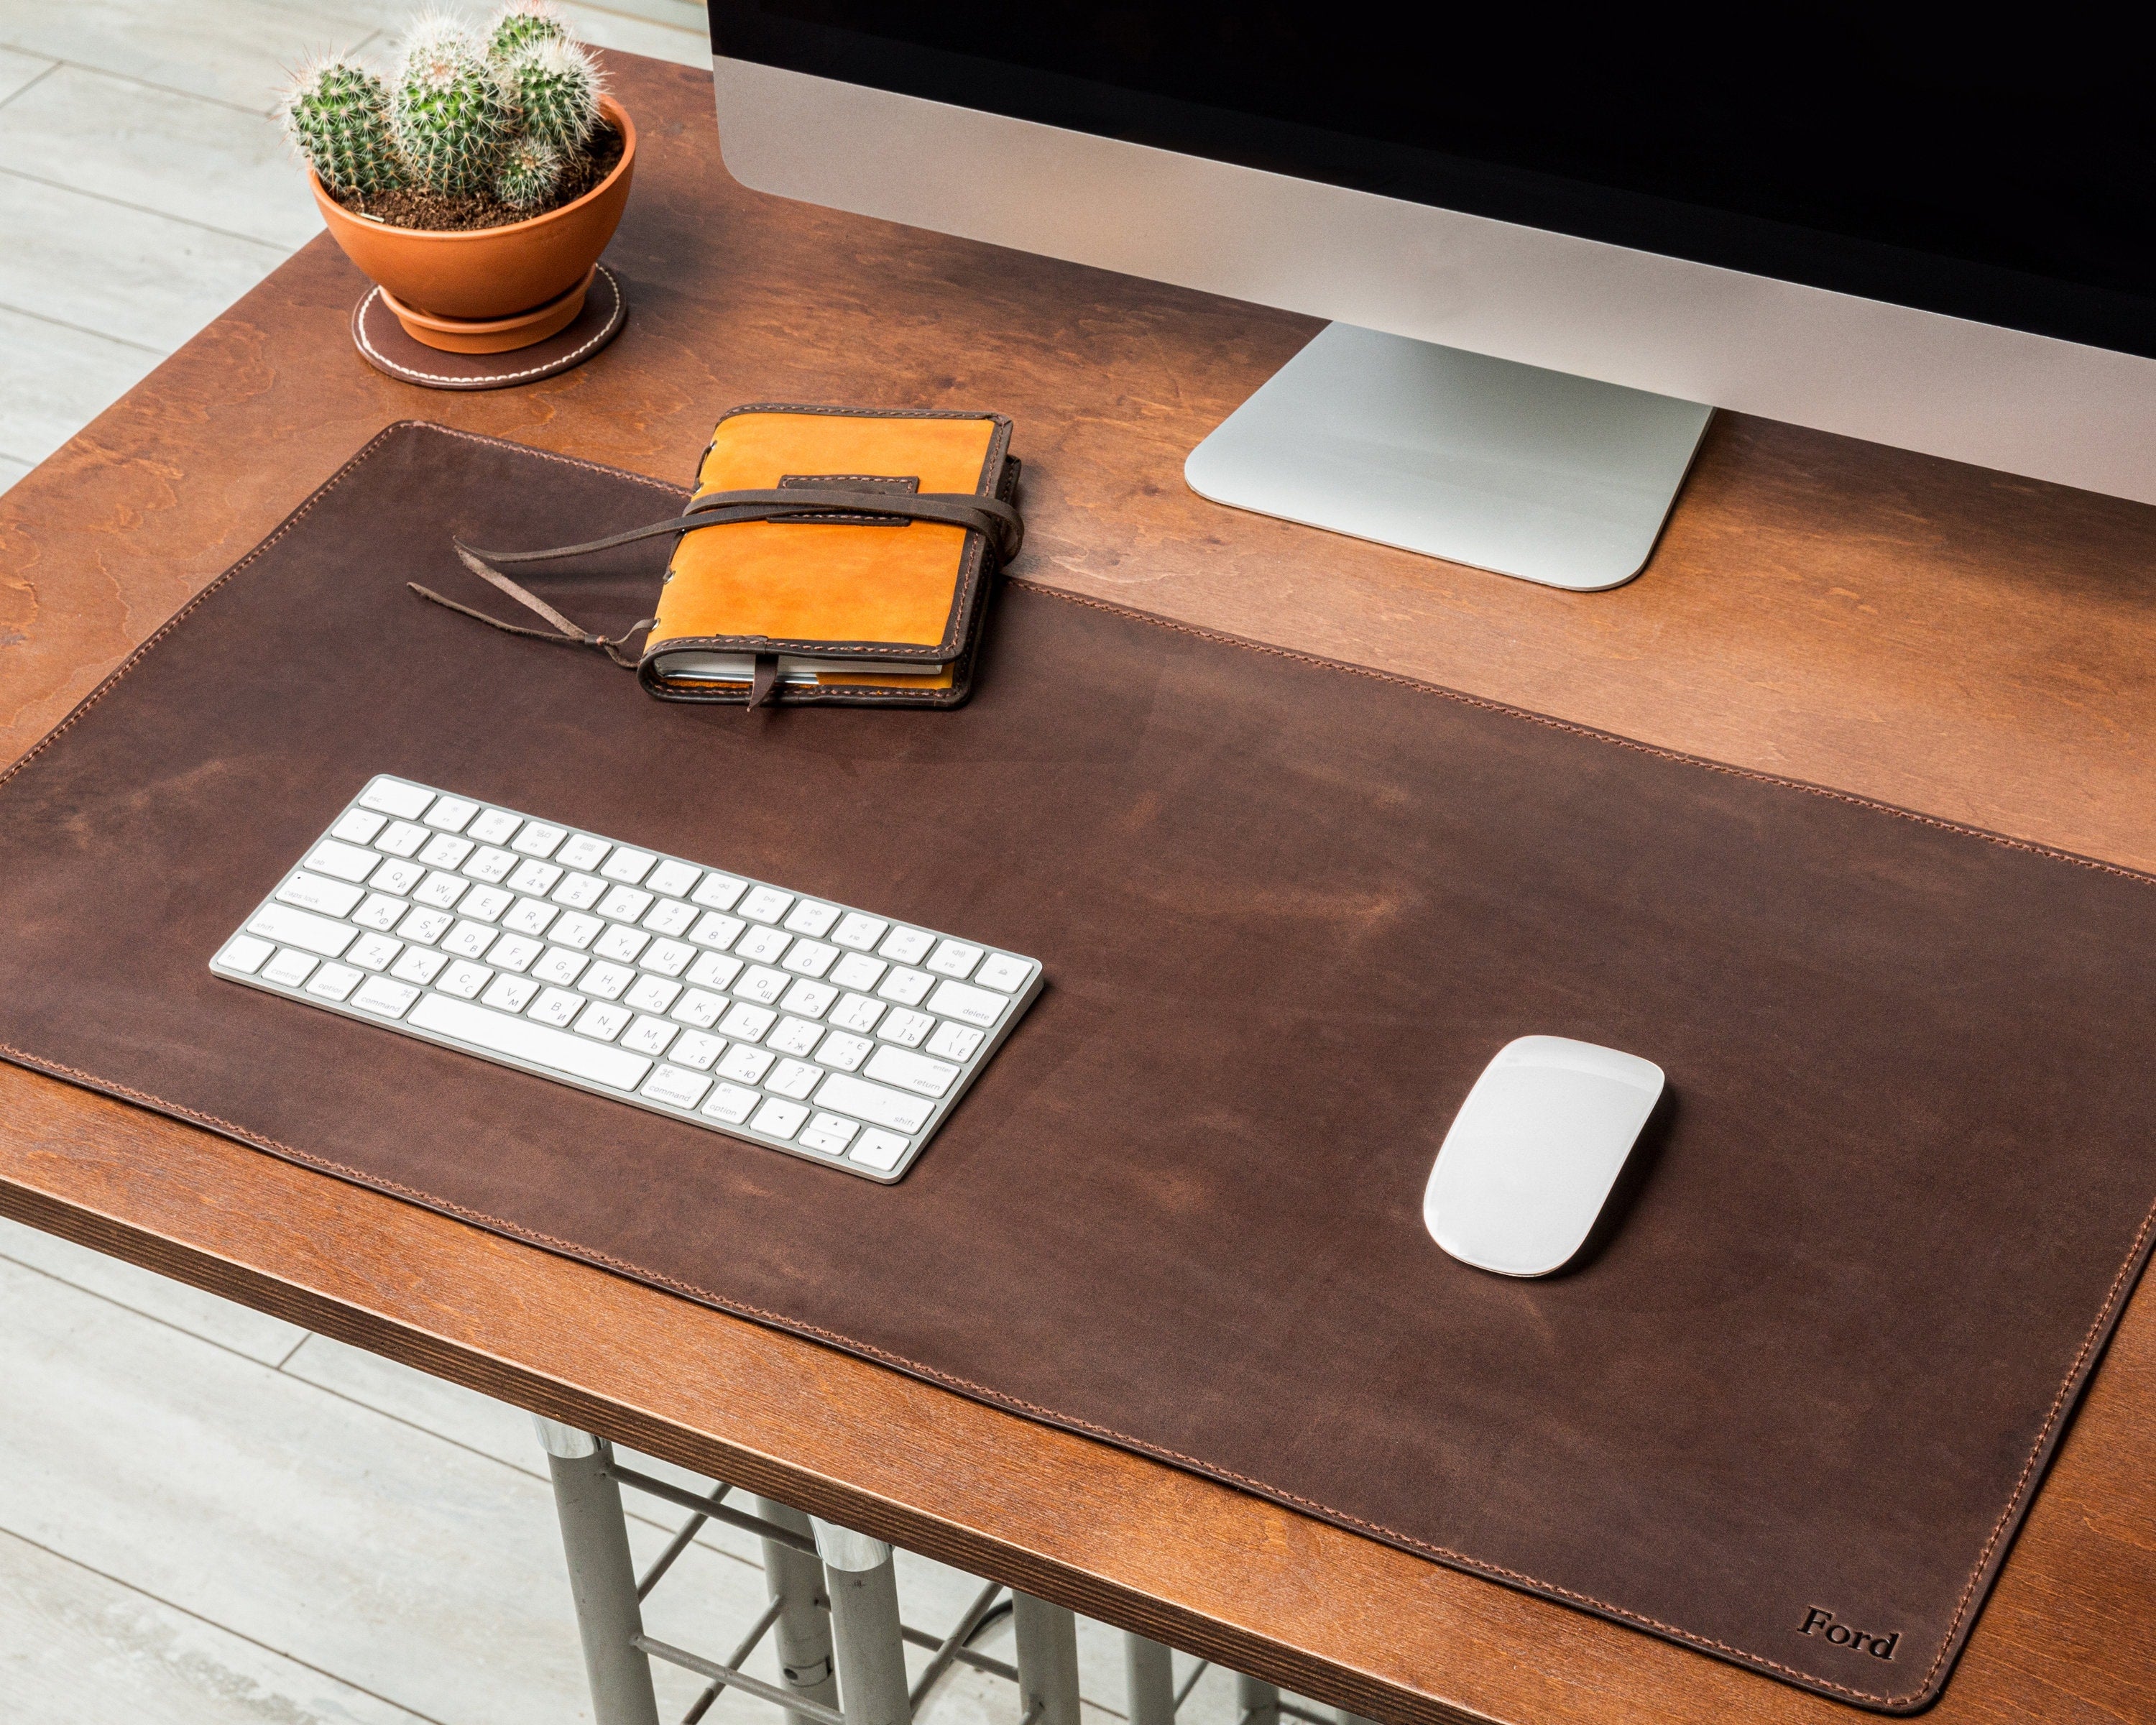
[{"x": 1993, "y": 1550}]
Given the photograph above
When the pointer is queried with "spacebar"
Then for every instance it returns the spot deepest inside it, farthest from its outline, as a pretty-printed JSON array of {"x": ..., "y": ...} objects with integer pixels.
[{"x": 578, "y": 1056}]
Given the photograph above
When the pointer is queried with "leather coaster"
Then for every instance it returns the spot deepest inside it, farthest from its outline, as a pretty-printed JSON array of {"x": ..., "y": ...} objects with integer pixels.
[{"x": 382, "y": 343}]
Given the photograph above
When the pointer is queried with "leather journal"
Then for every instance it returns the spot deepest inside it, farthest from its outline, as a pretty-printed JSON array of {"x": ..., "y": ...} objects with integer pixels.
[
  {"x": 826, "y": 556},
  {"x": 1787, "y": 1410}
]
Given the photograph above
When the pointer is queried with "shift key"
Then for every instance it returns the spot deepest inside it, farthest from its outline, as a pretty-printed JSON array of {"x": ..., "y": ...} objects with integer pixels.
[{"x": 302, "y": 929}]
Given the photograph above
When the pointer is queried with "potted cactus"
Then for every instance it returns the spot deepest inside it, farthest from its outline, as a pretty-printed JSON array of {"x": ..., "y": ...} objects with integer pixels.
[{"x": 479, "y": 183}]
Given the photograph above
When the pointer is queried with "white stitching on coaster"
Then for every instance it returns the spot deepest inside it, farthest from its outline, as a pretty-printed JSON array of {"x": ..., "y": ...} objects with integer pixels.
[{"x": 604, "y": 335}]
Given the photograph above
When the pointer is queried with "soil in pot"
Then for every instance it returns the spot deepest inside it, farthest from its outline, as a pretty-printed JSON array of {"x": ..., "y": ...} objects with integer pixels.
[{"x": 432, "y": 211}]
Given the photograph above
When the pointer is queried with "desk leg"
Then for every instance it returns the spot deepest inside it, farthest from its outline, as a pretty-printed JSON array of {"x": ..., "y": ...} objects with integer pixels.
[
  {"x": 863, "y": 1587},
  {"x": 1257, "y": 1702},
  {"x": 1047, "y": 1638},
  {"x": 1148, "y": 1681},
  {"x": 795, "y": 1583},
  {"x": 602, "y": 1576}
]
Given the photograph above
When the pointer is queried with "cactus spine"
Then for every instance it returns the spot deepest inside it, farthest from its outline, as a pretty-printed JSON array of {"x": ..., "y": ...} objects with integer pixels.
[
  {"x": 529, "y": 174},
  {"x": 553, "y": 86},
  {"x": 447, "y": 114},
  {"x": 337, "y": 116},
  {"x": 518, "y": 25}
]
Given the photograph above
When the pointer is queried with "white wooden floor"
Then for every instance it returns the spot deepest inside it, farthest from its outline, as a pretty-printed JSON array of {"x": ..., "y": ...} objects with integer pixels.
[{"x": 207, "y": 1517}]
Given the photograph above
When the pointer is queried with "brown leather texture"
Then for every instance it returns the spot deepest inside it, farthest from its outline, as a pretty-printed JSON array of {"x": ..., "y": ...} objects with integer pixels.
[{"x": 1806, "y": 1379}]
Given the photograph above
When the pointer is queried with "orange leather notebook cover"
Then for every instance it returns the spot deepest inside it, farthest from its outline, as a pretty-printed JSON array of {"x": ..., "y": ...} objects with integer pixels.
[{"x": 853, "y": 608}]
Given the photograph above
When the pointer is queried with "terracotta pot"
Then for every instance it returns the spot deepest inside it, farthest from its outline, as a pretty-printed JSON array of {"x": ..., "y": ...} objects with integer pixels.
[{"x": 490, "y": 276}]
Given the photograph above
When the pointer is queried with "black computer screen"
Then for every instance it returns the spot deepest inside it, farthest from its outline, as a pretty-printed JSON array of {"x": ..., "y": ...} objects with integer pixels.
[{"x": 1996, "y": 167}]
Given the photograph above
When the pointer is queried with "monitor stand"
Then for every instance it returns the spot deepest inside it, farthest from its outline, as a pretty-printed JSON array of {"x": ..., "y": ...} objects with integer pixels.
[{"x": 1537, "y": 474}]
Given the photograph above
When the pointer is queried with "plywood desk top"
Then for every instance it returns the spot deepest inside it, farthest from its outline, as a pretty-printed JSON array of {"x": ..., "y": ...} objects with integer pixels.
[{"x": 1972, "y": 645}]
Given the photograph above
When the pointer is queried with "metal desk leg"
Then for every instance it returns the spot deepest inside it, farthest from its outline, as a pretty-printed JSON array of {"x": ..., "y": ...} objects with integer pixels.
[
  {"x": 863, "y": 1587},
  {"x": 1148, "y": 1681},
  {"x": 803, "y": 1632},
  {"x": 1047, "y": 1660},
  {"x": 602, "y": 1578},
  {"x": 1257, "y": 1702}
]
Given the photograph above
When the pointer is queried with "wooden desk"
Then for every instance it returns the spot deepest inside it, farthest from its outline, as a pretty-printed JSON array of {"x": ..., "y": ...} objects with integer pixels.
[{"x": 1981, "y": 647}]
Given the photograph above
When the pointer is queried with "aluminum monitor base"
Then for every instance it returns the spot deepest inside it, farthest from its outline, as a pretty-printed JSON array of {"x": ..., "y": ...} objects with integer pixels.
[{"x": 1527, "y": 472}]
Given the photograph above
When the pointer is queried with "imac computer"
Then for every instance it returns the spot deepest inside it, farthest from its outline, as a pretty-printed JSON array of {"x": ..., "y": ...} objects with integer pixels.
[{"x": 1548, "y": 245}]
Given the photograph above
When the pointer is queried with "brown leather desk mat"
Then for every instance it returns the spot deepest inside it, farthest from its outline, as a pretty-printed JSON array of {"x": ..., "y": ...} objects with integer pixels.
[{"x": 1288, "y": 909}]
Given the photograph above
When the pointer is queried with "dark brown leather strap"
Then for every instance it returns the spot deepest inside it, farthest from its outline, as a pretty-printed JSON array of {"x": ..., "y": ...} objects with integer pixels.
[{"x": 566, "y": 634}]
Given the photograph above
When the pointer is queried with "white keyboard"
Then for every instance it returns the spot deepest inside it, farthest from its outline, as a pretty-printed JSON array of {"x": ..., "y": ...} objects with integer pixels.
[{"x": 809, "y": 1027}]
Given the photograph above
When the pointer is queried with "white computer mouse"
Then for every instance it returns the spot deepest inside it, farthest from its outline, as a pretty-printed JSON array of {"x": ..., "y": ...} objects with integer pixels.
[{"x": 1534, "y": 1151}]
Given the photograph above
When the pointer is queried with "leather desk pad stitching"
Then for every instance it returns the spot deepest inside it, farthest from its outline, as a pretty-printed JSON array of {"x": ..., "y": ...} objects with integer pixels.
[{"x": 2032, "y": 1465}]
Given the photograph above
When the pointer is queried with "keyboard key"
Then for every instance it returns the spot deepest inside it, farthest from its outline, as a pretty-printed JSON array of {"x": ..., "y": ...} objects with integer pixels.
[
  {"x": 762, "y": 945},
  {"x": 559, "y": 965},
  {"x": 377, "y": 993},
  {"x": 671, "y": 1084},
  {"x": 402, "y": 838},
  {"x": 912, "y": 1071},
  {"x": 812, "y": 916},
  {"x": 828, "y": 1133},
  {"x": 733, "y": 1104},
  {"x": 779, "y": 1119},
  {"x": 373, "y": 951},
  {"x": 537, "y": 838},
  {"x": 449, "y": 814},
  {"x": 843, "y": 1051},
  {"x": 954, "y": 958},
  {"x": 288, "y": 968},
  {"x": 906, "y": 986},
  {"x": 289, "y": 928},
  {"x": 651, "y": 994},
  {"x": 879, "y": 1150},
  {"x": 649, "y": 1035},
  {"x": 582, "y": 851},
  {"x": 624, "y": 904},
  {"x": 534, "y": 878},
  {"x": 245, "y": 953},
  {"x": 483, "y": 904},
  {"x": 954, "y": 1042},
  {"x": 358, "y": 827},
  {"x": 792, "y": 1078},
  {"x": 333, "y": 981},
  {"x": 529, "y": 916},
  {"x": 380, "y": 912},
  {"x": 744, "y": 1022},
  {"x": 712, "y": 970},
  {"x": 905, "y": 1028},
  {"x": 468, "y": 940},
  {"x": 512, "y": 993},
  {"x": 673, "y": 879},
  {"x": 762, "y": 985},
  {"x": 1001, "y": 971},
  {"x": 425, "y": 926},
  {"x": 493, "y": 827},
  {"x": 606, "y": 981},
  {"x": 418, "y": 964},
  {"x": 716, "y": 932},
  {"x": 520, "y": 1039},
  {"x": 621, "y": 944},
  {"x": 794, "y": 1036},
  {"x": 745, "y": 1064},
  {"x": 513, "y": 951},
  {"x": 857, "y": 971},
  {"x": 579, "y": 892},
  {"x": 347, "y": 862},
  {"x": 627, "y": 865},
  {"x": 808, "y": 999},
  {"x": 765, "y": 904},
  {"x": 810, "y": 957},
  {"x": 856, "y": 1011},
  {"x": 718, "y": 892},
  {"x": 464, "y": 979},
  {"x": 961, "y": 1000},
  {"x": 313, "y": 892},
  {"x": 490, "y": 864},
  {"x": 444, "y": 852},
  {"x": 603, "y": 1020},
  {"x": 845, "y": 1094},
  {"x": 575, "y": 928},
  {"x": 555, "y": 1006},
  {"x": 393, "y": 796},
  {"x": 440, "y": 891},
  {"x": 670, "y": 916},
  {"x": 699, "y": 1008},
  {"x": 693, "y": 1048},
  {"x": 860, "y": 932},
  {"x": 908, "y": 946},
  {"x": 668, "y": 958},
  {"x": 397, "y": 877}
]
